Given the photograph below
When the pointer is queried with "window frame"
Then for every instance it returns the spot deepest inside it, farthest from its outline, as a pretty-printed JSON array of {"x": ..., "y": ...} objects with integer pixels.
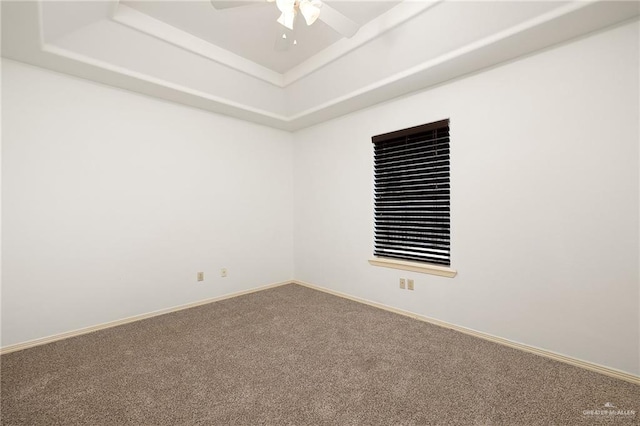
[{"x": 405, "y": 264}]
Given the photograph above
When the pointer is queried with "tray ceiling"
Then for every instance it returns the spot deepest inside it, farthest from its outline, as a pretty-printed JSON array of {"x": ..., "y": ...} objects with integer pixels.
[
  {"x": 224, "y": 60},
  {"x": 251, "y": 31}
]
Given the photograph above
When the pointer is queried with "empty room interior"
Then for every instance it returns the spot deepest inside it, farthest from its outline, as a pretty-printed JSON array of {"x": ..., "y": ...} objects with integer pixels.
[{"x": 320, "y": 212}]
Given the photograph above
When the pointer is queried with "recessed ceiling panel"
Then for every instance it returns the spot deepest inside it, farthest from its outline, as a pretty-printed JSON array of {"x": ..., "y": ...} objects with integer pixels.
[
  {"x": 174, "y": 50},
  {"x": 251, "y": 31}
]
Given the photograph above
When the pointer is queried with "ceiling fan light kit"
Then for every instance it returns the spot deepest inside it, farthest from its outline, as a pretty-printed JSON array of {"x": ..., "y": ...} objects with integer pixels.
[
  {"x": 286, "y": 19},
  {"x": 310, "y": 10}
]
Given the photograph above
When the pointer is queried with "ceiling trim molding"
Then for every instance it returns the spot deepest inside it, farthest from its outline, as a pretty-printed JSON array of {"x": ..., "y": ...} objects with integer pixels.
[
  {"x": 446, "y": 57},
  {"x": 146, "y": 24},
  {"x": 395, "y": 16},
  {"x": 392, "y": 18},
  {"x": 561, "y": 24},
  {"x": 59, "y": 51}
]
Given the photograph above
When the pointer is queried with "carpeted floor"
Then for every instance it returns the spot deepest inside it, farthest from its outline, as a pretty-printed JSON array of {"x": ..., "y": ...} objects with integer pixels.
[{"x": 296, "y": 356}]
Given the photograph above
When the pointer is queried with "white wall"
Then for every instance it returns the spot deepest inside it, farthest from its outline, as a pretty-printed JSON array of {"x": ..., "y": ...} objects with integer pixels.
[
  {"x": 113, "y": 201},
  {"x": 544, "y": 201}
]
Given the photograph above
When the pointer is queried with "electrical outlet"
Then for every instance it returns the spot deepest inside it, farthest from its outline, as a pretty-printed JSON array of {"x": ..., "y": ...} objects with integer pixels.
[
  {"x": 402, "y": 283},
  {"x": 223, "y": 272},
  {"x": 410, "y": 284},
  {"x": 200, "y": 276}
]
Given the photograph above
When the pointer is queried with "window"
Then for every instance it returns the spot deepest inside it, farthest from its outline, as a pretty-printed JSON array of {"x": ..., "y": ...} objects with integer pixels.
[{"x": 412, "y": 198}]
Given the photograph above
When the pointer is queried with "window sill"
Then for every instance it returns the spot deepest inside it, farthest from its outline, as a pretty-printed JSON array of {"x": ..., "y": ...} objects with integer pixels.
[{"x": 424, "y": 268}]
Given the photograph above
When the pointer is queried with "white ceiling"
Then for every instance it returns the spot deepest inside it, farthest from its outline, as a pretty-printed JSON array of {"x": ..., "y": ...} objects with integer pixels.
[
  {"x": 227, "y": 28},
  {"x": 224, "y": 61}
]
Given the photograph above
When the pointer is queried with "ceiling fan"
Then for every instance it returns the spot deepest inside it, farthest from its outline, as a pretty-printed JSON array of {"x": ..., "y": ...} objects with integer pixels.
[{"x": 311, "y": 10}]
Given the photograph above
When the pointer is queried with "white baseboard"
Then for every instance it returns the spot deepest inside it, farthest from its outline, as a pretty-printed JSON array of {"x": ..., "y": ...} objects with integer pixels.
[
  {"x": 611, "y": 372},
  {"x": 79, "y": 332}
]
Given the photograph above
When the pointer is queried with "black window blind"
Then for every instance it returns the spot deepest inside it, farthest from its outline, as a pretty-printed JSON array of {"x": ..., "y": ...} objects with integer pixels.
[{"x": 412, "y": 194}]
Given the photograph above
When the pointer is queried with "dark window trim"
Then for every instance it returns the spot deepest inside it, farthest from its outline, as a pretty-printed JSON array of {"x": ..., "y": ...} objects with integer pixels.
[
  {"x": 410, "y": 131},
  {"x": 383, "y": 256}
]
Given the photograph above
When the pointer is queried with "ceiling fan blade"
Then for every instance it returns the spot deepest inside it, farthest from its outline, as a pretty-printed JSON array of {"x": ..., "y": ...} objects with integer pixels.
[
  {"x": 226, "y": 4},
  {"x": 338, "y": 21}
]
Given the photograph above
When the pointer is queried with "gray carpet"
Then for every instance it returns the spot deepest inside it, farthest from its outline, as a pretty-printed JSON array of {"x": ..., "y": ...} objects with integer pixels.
[{"x": 292, "y": 355}]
